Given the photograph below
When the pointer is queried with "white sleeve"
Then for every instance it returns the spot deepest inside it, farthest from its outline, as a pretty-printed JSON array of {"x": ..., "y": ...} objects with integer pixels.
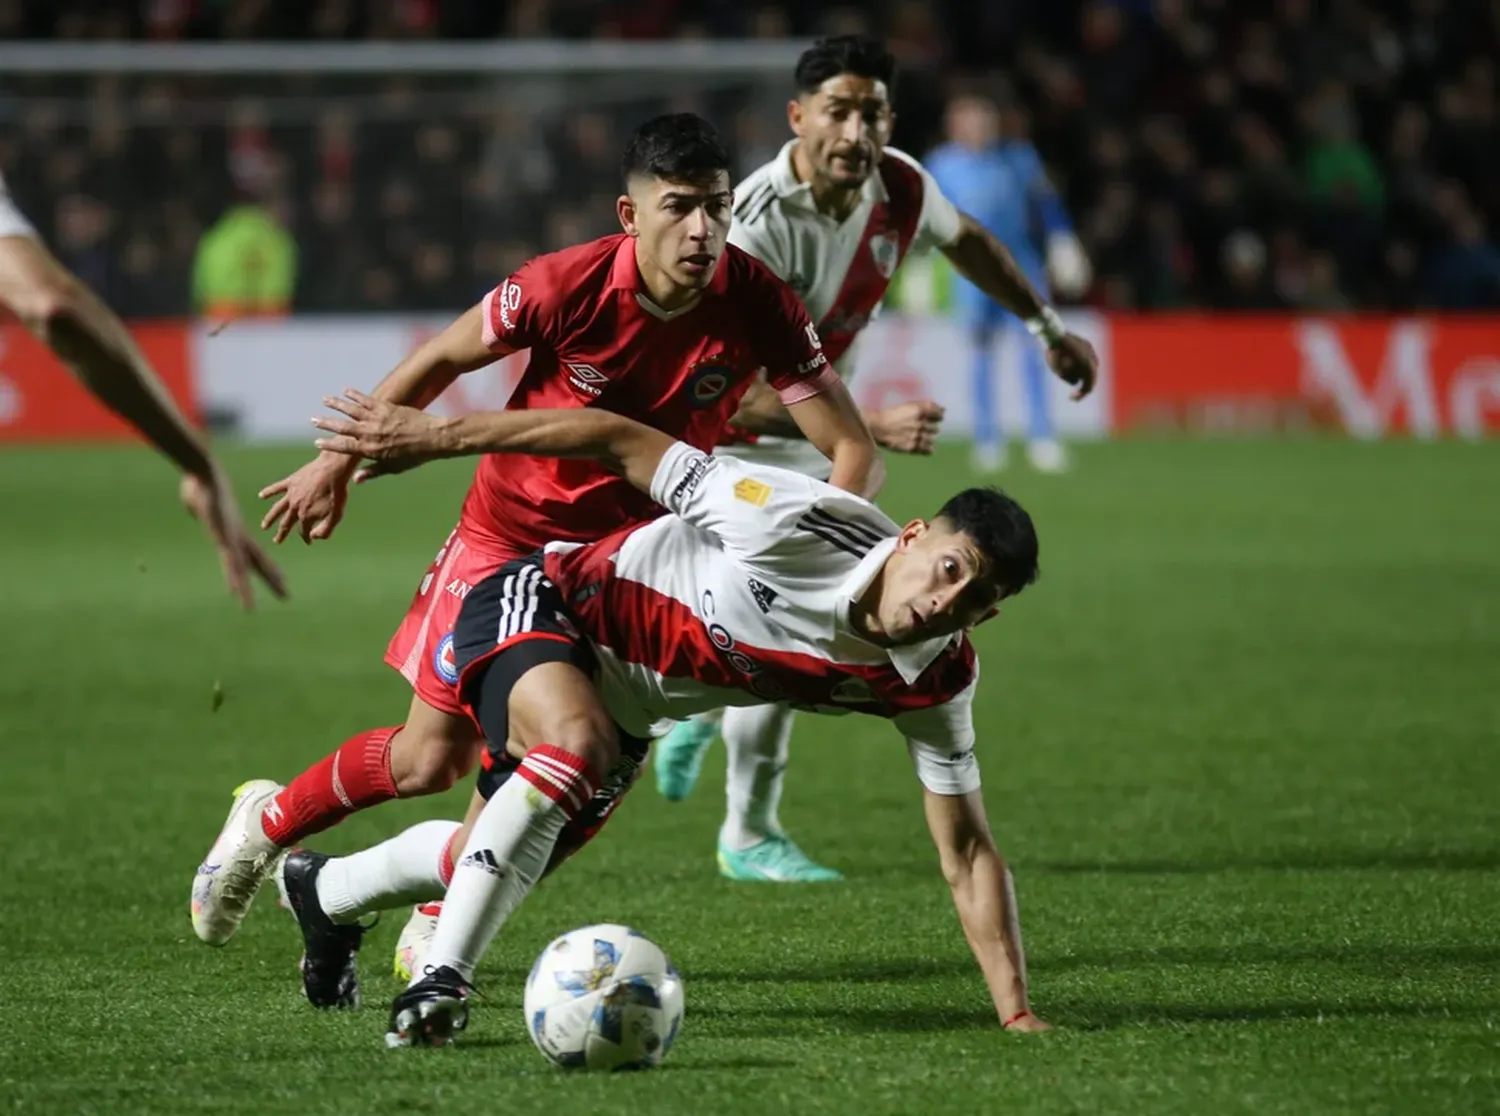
[
  {"x": 938, "y": 225},
  {"x": 12, "y": 223},
  {"x": 940, "y": 739},
  {"x": 748, "y": 508}
]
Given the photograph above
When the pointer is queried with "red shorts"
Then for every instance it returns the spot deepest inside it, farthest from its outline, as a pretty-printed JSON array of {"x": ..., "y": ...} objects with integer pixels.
[{"x": 422, "y": 648}]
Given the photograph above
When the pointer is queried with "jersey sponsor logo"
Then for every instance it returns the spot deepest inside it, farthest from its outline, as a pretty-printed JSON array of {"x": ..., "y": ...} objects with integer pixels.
[
  {"x": 697, "y": 469},
  {"x": 764, "y": 595},
  {"x": 707, "y": 383},
  {"x": 587, "y": 379},
  {"x": 885, "y": 249},
  {"x": 508, "y": 301},
  {"x": 443, "y": 661},
  {"x": 752, "y": 491}
]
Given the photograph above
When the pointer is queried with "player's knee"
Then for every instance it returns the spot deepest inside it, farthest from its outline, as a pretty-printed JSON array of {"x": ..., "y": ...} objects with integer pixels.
[
  {"x": 587, "y": 733},
  {"x": 429, "y": 763}
]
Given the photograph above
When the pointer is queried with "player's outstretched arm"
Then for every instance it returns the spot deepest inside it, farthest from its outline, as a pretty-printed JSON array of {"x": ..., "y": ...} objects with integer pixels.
[
  {"x": 984, "y": 261},
  {"x": 985, "y": 895},
  {"x": 311, "y": 500},
  {"x": 906, "y": 428},
  {"x": 831, "y": 421},
  {"x": 86, "y": 335},
  {"x": 398, "y": 438}
]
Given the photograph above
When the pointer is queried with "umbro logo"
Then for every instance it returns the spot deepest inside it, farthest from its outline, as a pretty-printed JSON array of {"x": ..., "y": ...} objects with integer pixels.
[
  {"x": 764, "y": 595},
  {"x": 587, "y": 379},
  {"x": 484, "y": 860}
]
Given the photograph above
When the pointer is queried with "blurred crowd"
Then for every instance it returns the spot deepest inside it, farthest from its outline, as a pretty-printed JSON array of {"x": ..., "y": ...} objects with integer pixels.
[{"x": 1218, "y": 153}]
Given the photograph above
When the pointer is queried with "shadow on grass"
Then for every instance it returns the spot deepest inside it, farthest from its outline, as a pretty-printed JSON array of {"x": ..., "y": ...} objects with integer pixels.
[
  {"x": 1295, "y": 860},
  {"x": 895, "y": 971},
  {"x": 1107, "y": 1017}
]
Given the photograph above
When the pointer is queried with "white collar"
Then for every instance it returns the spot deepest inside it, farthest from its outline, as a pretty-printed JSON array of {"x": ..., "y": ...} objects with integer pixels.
[
  {"x": 909, "y": 660},
  {"x": 786, "y": 184}
]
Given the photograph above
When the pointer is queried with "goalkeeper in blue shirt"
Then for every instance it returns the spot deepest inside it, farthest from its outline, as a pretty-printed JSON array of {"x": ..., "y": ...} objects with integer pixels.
[{"x": 991, "y": 171}]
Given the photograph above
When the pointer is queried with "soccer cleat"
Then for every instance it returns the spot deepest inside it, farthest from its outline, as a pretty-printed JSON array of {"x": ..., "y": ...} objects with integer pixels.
[
  {"x": 240, "y": 860},
  {"x": 415, "y": 940},
  {"x": 679, "y": 758},
  {"x": 330, "y": 976},
  {"x": 431, "y": 1011},
  {"x": 777, "y": 859},
  {"x": 988, "y": 457},
  {"x": 1047, "y": 455}
]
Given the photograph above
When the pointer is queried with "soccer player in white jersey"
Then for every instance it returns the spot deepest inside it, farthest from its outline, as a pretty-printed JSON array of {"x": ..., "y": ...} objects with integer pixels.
[
  {"x": 62, "y": 313},
  {"x": 834, "y": 214},
  {"x": 761, "y": 584}
]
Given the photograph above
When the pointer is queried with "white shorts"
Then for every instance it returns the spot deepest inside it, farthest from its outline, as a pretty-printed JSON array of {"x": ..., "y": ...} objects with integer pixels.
[{"x": 11, "y": 221}]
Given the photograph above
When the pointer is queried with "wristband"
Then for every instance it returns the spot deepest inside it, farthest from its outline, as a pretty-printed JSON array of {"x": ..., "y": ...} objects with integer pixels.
[
  {"x": 1014, "y": 1018},
  {"x": 1047, "y": 327}
]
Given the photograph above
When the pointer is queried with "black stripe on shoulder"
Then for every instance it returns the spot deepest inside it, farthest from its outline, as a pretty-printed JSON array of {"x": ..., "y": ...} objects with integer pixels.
[{"x": 832, "y": 538}]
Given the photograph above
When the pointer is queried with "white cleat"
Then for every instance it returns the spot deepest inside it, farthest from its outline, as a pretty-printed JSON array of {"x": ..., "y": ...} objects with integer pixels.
[
  {"x": 988, "y": 457},
  {"x": 235, "y": 867},
  {"x": 1048, "y": 456},
  {"x": 416, "y": 940}
]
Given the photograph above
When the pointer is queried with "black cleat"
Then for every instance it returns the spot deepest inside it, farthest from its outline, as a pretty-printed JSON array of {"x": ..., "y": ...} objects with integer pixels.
[
  {"x": 430, "y": 1011},
  {"x": 330, "y": 978}
]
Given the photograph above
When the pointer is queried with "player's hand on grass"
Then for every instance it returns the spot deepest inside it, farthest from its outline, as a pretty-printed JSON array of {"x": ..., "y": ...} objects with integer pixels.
[
  {"x": 907, "y": 427},
  {"x": 1075, "y": 362},
  {"x": 395, "y": 437},
  {"x": 212, "y": 503},
  {"x": 311, "y": 500}
]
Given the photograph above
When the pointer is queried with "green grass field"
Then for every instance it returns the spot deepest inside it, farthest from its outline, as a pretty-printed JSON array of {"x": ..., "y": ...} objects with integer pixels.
[{"x": 1241, "y": 744}]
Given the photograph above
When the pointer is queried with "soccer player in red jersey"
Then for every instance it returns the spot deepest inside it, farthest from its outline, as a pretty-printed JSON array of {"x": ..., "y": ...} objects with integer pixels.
[{"x": 662, "y": 323}]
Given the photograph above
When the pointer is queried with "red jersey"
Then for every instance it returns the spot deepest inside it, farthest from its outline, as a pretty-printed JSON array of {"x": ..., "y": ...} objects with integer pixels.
[{"x": 597, "y": 340}]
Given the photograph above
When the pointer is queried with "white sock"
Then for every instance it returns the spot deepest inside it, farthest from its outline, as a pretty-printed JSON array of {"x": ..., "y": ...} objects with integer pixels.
[
  {"x": 757, "y": 739},
  {"x": 506, "y": 854},
  {"x": 405, "y": 869}
]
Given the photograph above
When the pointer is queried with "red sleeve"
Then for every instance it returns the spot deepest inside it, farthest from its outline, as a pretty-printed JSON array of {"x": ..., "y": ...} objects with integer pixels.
[
  {"x": 521, "y": 312},
  {"x": 788, "y": 343}
]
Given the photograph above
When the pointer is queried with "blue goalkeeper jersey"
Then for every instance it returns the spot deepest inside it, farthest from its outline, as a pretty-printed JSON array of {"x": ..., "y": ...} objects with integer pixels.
[{"x": 1005, "y": 189}]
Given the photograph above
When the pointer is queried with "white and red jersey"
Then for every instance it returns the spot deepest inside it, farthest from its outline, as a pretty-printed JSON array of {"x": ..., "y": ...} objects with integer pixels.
[
  {"x": 597, "y": 340},
  {"x": 840, "y": 269},
  {"x": 742, "y": 596}
]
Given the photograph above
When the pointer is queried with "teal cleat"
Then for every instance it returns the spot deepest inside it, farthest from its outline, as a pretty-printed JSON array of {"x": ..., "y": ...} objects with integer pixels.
[
  {"x": 777, "y": 859},
  {"x": 679, "y": 758}
]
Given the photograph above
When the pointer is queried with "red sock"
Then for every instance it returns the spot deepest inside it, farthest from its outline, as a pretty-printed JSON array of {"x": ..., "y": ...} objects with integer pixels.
[{"x": 355, "y": 776}]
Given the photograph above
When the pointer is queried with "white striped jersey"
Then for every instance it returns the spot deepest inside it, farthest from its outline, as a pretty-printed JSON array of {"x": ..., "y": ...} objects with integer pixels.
[
  {"x": 741, "y": 596},
  {"x": 840, "y": 269}
]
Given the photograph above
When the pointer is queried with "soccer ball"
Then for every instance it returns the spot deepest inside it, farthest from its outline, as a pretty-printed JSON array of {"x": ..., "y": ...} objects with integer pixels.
[{"x": 603, "y": 998}]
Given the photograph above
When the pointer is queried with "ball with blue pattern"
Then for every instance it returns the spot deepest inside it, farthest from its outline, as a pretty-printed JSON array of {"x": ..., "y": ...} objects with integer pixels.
[{"x": 604, "y": 997}]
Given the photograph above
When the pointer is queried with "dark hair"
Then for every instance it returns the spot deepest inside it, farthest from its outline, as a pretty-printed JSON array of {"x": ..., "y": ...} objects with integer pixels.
[
  {"x": 680, "y": 147},
  {"x": 1001, "y": 530},
  {"x": 859, "y": 55}
]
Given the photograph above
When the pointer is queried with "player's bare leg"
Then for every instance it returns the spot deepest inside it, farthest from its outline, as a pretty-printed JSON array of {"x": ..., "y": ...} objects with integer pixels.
[
  {"x": 752, "y": 844},
  {"x": 428, "y": 754},
  {"x": 553, "y": 713},
  {"x": 679, "y": 755}
]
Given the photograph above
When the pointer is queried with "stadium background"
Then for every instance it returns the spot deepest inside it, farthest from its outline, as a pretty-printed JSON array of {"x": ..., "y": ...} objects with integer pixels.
[
  {"x": 1301, "y": 161},
  {"x": 1239, "y": 742}
]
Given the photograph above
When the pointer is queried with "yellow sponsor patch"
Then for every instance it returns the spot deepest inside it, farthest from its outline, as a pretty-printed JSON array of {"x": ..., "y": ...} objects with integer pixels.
[{"x": 752, "y": 492}]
